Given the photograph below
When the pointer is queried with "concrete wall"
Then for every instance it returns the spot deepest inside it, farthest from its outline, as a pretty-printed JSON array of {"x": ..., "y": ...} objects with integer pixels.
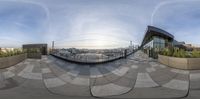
[
  {"x": 180, "y": 63},
  {"x": 194, "y": 63},
  {"x": 12, "y": 60}
]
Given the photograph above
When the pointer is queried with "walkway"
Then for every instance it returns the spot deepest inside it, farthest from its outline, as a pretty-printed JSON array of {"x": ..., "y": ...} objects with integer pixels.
[{"x": 134, "y": 77}]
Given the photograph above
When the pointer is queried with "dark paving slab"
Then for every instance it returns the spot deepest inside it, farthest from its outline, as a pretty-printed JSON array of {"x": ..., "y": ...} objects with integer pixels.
[
  {"x": 71, "y": 90},
  {"x": 101, "y": 81},
  {"x": 152, "y": 93},
  {"x": 162, "y": 76},
  {"x": 195, "y": 80}
]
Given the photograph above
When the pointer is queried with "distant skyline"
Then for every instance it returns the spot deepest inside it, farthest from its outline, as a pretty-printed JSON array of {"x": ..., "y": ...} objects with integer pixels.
[{"x": 95, "y": 23}]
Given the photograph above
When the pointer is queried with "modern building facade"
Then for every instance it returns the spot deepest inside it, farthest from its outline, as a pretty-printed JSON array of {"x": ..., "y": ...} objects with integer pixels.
[{"x": 156, "y": 39}]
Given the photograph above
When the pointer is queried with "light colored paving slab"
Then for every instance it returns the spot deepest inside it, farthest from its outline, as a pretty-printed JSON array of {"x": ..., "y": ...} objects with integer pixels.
[
  {"x": 28, "y": 68},
  {"x": 75, "y": 81},
  {"x": 177, "y": 84},
  {"x": 81, "y": 81},
  {"x": 134, "y": 66},
  {"x": 194, "y": 76},
  {"x": 60, "y": 62},
  {"x": 179, "y": 71},
  {"x": 71, "y": 67},
  {"x": 8, "y": 74},
  {"x": 53, "y": 82},
  {"x": 144, "y": 80},
  {"x": 121, "y": 71},
  {"x": 27, "y": 73},
  {"x": 46, "y": 70},
  {"x": 150, "y": 69},
  {"x": 108, "y": 90},
  {"x": 73, "y": 72},
  {"x": 94, "y": 73},
  {"x": 66, "y": 78},
  {"x": 11, "y": 68},
  {"x": 110, "y": 68},
  {"x": 162, "y": 66},
  {"x": 36, "y": 76},
  {"x": 153, "y": 64}
]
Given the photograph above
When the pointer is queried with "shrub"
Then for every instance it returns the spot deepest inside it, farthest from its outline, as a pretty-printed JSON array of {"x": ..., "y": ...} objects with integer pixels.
[
  {"x": 8, "y": 53},
  {"x": 195, "y": 54},
  {"x": 176, "y": 52}
]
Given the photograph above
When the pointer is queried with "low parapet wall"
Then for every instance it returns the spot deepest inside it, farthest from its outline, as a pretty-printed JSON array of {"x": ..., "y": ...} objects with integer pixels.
[
  {"x": 180, "y": 63},
  {"x": 6, "y": 62}
]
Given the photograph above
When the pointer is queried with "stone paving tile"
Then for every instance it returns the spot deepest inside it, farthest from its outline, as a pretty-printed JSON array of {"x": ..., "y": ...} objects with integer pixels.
[
  {"x": 8, "y": 83},
  {"x": 177, "y": 85},
  {"x": 18, "y": 68},
  {"x": 162, "y": 76},
  {"x": 103, "y": 70},
  {"x": 100, "y": 81},
  {"x": 74, "y": 72},
  {"x": 8, "y": 74},
  {"x": 195, "y": 80},
  {"x": 84, "y": 70},
  {"x": 162, "y": 66},
  {"x": 152, "y": 93},
  {"x": 27, "y": 73},
  {"x": 150, "y": 69},
  {"x": 134, "y": 66},
  {"x": 36, "y": 68},
  {"x": 48, "y": 75},
  {"x": 67, "y": 78},
  {"x": 11, "y": 68},
  {"x": 71, "y": 90},
  {"x": 180, "y": 71},
  {"x": 46, "y": 70},
  {"x": 94, "y": 72},
  {"x": 144, "y": 80},
  {"x": 140, "y": 77},
  {"x": 125, "y": 82},
  {"x": 112, "y": 77},
  {"x": 56, "y": 69},
  {"x": 81, "y": 81},
  {"x": 195, "y": 76},
  {"x": 120, "y": 71},
  {"x": 108, "y": 90},
  {"x": 131, "y": 74},
  {"x": 110, "y": 68},
  {"x": 36, "y": 76},
  {"x": 53, "y": 82}
]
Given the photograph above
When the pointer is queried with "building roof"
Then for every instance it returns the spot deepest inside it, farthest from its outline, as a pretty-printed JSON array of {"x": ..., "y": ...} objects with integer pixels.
[{"x": 154, "y": 31}]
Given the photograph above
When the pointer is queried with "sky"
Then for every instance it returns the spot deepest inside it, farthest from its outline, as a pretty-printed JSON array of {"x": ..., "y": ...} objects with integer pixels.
[{"x": 95, "y": 23}]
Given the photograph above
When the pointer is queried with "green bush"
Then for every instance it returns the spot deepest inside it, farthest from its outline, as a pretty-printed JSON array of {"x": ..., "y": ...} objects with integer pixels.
[
  {"x": 176, "y": 52},
  {"x": 8, "y": 53},
  {"x": 166, "y": 52},
  {"x": 195, "y": 54}
]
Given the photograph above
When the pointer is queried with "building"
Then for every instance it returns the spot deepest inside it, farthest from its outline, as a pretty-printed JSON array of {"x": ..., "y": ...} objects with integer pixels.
[
  {"x": 41, "y": 47},
  {"x": 156, "y": 39}
]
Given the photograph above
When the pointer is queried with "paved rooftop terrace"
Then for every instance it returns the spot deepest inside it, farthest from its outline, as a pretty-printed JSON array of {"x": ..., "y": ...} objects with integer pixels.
[{"x": 135, "y": 77}]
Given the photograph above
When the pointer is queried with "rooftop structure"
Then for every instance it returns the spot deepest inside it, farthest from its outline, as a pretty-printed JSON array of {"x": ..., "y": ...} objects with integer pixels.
[{"x": 41, "y": 47}]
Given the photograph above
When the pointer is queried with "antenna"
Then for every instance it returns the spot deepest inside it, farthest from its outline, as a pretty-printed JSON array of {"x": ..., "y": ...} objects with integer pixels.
[{"x": 52, "y": 45}]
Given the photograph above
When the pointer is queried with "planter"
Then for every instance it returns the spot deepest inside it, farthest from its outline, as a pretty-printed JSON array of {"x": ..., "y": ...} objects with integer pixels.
[
  {"x": 180, "y": 63},
  {"x": 6, "y": 62},
  {"x": 34, "y": 55}
]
